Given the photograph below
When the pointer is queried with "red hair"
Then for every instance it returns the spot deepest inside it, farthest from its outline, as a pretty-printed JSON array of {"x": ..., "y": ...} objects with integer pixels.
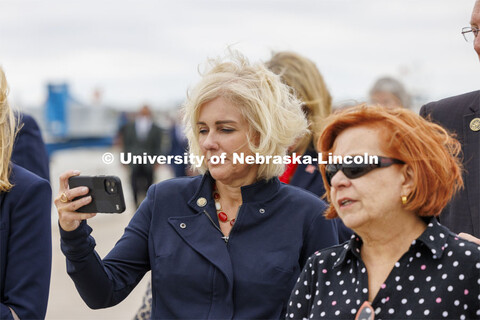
[{"x": 427, "y": 148}]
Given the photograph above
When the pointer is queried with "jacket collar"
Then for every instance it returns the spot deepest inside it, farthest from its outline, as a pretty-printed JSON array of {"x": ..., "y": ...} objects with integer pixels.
[
  {"x": 475, "y": 105},
  {"x": 434, "y": 238},
  {"x": 260, "y": 191}
]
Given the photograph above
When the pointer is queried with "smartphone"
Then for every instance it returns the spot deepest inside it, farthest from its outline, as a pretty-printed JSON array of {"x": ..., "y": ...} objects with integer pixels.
[{"x": 106, "y": 193}]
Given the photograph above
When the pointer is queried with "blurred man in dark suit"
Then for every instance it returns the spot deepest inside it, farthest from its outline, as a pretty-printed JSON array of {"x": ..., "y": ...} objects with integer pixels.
[{"x": 139, "y": 137}]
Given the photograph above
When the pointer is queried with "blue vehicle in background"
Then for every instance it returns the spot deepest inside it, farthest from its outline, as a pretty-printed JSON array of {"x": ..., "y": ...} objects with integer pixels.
[{"x": 68, "y": 123}]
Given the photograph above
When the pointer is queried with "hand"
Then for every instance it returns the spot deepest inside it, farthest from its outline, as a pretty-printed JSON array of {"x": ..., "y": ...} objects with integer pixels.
[
  {"x": 67, "y": 217},
  {"x": 469, "y": 237}
]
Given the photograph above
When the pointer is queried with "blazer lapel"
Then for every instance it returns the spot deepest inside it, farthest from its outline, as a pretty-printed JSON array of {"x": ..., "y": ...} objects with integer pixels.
[
  {"x": 199, "y": 233},
  {"x": 472, "y": 163}
]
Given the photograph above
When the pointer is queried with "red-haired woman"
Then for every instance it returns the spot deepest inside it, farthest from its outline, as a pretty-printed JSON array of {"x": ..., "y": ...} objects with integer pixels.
[{"x": 402, "y": 263}]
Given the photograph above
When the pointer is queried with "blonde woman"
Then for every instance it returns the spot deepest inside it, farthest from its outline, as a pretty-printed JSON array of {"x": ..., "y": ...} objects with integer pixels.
[
  {"x": 307, "y": 84},
  {"x": 25, "y": 229},
  {"x": 229, "y": 243}
]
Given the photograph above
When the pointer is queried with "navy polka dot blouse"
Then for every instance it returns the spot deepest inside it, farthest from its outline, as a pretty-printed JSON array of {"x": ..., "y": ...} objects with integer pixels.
[{"x": 437, "y": 278}]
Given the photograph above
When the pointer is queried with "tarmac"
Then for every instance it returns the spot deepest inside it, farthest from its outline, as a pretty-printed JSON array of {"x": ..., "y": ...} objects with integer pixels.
[{"x": 64, "y": 302}]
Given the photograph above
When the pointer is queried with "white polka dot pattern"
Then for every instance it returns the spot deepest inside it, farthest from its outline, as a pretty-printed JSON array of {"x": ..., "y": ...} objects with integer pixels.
[{"x": 438, "y": 278}]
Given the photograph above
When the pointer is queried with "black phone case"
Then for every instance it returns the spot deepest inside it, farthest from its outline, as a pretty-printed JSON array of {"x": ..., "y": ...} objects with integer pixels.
[{"x": 102, "y": 201}]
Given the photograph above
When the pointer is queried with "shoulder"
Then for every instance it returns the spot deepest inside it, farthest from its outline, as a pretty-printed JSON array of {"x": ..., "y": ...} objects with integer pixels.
[
  {"x": 29, "y": 192},
  {"x": 300, "y": 195},
  {"x": 22, "y": 180},
  {"x": 329, "y": 256},
  {"x": 461, "y": 248},
  {"x": 307, "y": 206},
  {"x": 170, "y": 197},
  {"x": 450, "y": 104},
  {"x": 175, "y": 187},
  {"x": 28, "y": 121}
]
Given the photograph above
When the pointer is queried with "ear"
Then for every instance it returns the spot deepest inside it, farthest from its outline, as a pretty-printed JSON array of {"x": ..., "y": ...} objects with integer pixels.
[
  {"x": 255, "y": 138},
  {"x": 408, "y": 180}
]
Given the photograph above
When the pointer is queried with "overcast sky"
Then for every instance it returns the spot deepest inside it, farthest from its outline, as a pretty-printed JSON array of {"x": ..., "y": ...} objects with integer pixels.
[{"x": 149, "y": 50}]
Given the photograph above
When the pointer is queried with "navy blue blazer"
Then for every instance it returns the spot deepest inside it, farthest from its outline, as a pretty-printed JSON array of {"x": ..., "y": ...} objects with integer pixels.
[
  {"x": 308, "y": 177},
  {"x": 195, "y": 273},
  {"x": 462, "y": 214},
  {"x": 29, "y": 149},
  {"x": 25, "y": 246}
]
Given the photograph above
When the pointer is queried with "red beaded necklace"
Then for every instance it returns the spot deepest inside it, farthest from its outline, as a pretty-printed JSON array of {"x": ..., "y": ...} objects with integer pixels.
[{"x": 222, "y": 216}]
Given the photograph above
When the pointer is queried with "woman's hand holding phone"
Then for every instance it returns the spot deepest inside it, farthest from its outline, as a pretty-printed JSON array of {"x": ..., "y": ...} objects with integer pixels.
[{"x": 68, "y": 218}]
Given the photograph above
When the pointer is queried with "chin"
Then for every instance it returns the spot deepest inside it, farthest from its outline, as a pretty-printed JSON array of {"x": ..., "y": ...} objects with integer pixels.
[
  {"x": 350, "y": 220},
  {"x": 218, "y": 173}
]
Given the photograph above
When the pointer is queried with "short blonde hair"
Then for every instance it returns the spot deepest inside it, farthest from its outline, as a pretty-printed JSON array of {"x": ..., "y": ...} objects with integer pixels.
[
  {"x": 306, "y": 81},
  {"x": 7, "y": 134},
  {"x": 272, "y": 112}
]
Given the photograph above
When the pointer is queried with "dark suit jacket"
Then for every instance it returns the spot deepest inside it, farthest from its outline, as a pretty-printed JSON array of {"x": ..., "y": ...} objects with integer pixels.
[
  {"x": 462, "y": 214},
  {"x": 133, "y": 144},
  {"x": 29, "y": 150},
  {"x": 25, "y": 246}
]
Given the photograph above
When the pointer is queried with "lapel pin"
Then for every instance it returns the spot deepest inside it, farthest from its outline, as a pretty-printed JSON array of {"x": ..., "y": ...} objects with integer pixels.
[
  {"x": 201, "y": 202},
  {"x": 475, "y": 124}
]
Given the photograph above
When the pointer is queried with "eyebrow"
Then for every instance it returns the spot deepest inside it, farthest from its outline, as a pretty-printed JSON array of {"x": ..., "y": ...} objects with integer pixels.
[{"x": 218, "y": 122}]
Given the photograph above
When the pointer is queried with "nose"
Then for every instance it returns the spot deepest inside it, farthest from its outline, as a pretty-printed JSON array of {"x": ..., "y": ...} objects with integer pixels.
[
  {"x": 340, "y": 180},
  {"x": 210, "y": 142}
]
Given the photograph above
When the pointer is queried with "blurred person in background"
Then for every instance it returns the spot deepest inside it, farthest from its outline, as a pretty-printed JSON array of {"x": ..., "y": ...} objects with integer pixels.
[
  {"x": 138, "y": 137},
  {"x": 402, "y": 263},
  {"x": 461, "y": 115},
  {"x": 390, "y": 93},
  {"x": 25, "y": 228},
  {"x": 302, "y": 75},
  {"x": 229, "y": 243},
  {"x": 178, "y": 146}
]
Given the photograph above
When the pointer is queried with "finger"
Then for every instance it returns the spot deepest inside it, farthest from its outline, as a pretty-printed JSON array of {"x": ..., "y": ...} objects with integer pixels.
[
  {"x": 76, "y": 192},
  {"x": 63, "y": 198},
  {"x": 66, "y": 207},
  {"x": 469, "y": 237},
  {"x": 64, "y": 179}
]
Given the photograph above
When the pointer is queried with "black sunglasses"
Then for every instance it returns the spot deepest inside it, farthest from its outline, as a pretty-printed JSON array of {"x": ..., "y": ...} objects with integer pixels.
[{"x": 354, "y": 170}]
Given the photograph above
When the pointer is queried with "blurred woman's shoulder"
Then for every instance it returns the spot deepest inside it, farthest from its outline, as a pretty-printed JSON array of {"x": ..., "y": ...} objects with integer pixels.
[{"x": 23, "y": 179}]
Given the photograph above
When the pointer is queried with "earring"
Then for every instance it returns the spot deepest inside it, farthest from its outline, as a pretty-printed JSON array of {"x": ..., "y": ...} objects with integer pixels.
[{"x": 404, "y": 200}]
